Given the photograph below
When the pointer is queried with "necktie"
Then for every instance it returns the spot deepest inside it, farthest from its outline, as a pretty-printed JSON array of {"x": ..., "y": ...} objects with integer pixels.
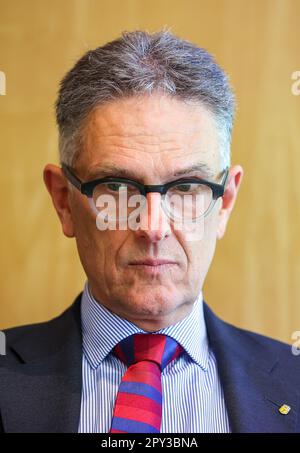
[{"x": 138, "y": 407}]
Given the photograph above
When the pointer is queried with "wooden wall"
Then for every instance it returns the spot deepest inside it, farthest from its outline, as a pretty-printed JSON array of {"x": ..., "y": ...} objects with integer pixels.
[{"x": 254, "y": 281}]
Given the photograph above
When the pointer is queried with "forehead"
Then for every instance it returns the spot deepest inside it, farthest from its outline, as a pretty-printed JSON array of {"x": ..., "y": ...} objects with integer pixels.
[{"x": 154, "y": 133}]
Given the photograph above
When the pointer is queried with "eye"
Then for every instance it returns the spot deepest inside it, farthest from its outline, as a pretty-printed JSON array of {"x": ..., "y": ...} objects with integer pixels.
[
  {"x": 116, "y": 186},
  {"x": 188, "y": 188},
  {"x": 183, "y": 187}
]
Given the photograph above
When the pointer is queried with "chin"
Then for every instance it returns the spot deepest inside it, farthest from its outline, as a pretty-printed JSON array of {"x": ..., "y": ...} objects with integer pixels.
[{"x": 152, "y": 303}]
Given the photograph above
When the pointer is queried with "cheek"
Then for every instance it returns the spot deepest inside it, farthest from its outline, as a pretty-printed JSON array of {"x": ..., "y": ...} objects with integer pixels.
[
  {"x": 90, "y": 241},
  {"x": 99, "y": 255},
  {"x": 199, "y": 245}
]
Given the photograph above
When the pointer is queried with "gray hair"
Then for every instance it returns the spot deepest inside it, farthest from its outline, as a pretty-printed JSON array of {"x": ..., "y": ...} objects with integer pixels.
[{"x": 140, "y": 63}]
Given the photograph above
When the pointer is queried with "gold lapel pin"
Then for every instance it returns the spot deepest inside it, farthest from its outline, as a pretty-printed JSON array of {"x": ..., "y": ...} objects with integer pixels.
[{"x": 284, "y": 409}]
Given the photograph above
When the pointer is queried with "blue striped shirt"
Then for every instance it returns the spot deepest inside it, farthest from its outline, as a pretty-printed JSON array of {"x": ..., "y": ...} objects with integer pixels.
[{"x": 192, "y": 392}]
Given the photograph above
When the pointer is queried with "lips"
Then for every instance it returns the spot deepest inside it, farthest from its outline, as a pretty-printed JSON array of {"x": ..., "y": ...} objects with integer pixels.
[{"x": 152, "y": 262}]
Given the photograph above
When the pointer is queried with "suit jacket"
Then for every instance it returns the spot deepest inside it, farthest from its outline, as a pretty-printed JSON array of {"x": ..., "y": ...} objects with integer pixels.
[{"x": 41, "y": 379}]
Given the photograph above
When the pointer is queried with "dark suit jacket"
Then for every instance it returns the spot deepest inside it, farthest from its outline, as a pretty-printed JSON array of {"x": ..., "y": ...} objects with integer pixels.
[{"x": 40, "y": 377}]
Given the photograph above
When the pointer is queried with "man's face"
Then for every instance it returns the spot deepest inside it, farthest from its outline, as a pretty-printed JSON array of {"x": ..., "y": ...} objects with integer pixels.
[{"x": 153, "y": 138}]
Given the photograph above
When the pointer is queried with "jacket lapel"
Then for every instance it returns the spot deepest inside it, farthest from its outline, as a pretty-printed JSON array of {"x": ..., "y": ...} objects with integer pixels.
[
  {"x": 46, "y": 385},
  {"x": 253, "y": 394}
]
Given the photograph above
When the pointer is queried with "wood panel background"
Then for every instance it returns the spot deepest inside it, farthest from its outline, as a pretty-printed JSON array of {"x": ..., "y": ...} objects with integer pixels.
[{"x": 254, "y": 281}]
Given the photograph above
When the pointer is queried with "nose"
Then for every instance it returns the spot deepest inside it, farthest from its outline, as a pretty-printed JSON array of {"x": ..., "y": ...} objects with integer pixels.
[{"x": 154, "y": 224}]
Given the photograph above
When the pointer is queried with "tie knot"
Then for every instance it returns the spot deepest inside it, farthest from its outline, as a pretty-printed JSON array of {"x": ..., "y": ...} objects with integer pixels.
[{"x": 157, "y": 348}]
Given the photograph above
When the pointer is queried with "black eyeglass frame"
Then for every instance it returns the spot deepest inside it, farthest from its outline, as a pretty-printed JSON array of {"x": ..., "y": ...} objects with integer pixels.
[{"x": 87, "y": 188}]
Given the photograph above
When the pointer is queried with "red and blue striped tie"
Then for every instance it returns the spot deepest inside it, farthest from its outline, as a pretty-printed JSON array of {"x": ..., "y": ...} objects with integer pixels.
[{"x": 138, "y": 407}]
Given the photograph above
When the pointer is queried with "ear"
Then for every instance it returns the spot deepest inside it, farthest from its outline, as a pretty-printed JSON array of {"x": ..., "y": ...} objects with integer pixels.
[
  {"x": 57, "y": 186},
  {"x": 228, "y": 200}
]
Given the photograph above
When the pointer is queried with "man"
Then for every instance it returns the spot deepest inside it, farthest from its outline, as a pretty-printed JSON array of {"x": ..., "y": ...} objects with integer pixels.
[{"x": 146, "y": 188}]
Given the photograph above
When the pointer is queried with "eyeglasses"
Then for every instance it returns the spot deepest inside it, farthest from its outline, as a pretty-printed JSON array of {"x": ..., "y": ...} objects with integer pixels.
[{"x": 186, "y": 199}]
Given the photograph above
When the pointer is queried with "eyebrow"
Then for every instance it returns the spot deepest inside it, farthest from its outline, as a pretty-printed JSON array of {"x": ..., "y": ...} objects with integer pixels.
[
  {"x": 108, "y": 170},
  {"x": 200, "y": 167}
]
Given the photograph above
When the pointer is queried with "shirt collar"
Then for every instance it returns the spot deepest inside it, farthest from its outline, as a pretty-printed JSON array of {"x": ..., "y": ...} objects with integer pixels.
[{"x": 102, "y": 330}]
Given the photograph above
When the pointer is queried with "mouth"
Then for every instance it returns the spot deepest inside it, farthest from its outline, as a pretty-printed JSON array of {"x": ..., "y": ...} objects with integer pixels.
[
  {"x": 153, "y": 266},
  {"x": 151, "y": 262}
]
